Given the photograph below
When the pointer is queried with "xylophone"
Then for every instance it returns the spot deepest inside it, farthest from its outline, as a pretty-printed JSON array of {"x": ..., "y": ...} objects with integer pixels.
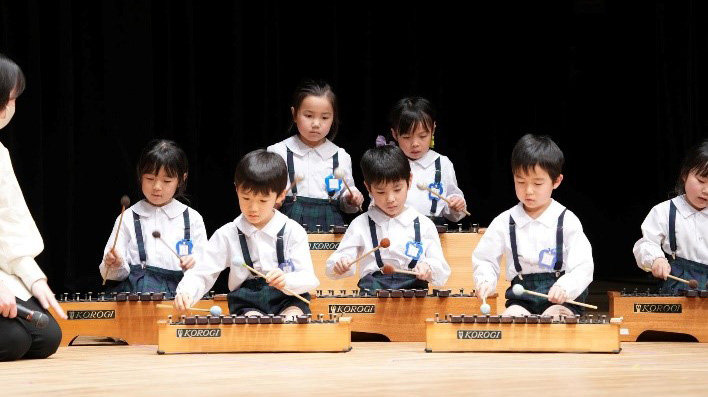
[
  {"x": 397, "y": 314},
  {"x": 236, "y": 334},
  {"x": 131, "y": 318},
  {"x": 685, "y": 313},
  {"x": 460, "y": 333},
  {"x": 457, "y": 245}
]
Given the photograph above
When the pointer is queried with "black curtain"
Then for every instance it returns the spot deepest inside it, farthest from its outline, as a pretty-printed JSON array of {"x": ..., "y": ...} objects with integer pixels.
[{"x": 616, "y": 84}]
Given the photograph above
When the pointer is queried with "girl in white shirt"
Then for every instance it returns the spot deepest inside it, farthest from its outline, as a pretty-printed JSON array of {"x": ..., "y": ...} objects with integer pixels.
[
  {"x": 22, "y": 282},
  {"x": 675, "y": 233},
  {"x": 412, "y": 121},
  {"x": 139, "y": 262},
  {"x": 319, "y": 197}
]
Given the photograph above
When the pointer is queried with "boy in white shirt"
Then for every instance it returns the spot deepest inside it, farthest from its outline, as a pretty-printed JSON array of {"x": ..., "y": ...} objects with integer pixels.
[
  {"x": 262, "y": 238},
  {"x": 414, "y": 242},
  {"x": 545, "y": 247}
]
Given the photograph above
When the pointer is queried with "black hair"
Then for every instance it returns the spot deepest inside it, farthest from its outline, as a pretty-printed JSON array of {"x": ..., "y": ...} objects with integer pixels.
[
  {"x": 163, "y": 153},
  {"x": 385, "y": 164},
  {"x": 261, "y": 172},
  {"x": 11, "y": 79},
  {"x": 696, "y": 160},
  {"x": 410, "y": 112},
  {"x": 316, "y": 88},
  {"x": 532, "y": 150}
]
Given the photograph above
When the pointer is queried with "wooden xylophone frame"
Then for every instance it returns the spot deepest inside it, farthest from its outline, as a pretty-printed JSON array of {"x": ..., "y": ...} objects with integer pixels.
[
  {"x": 459, "y": 333},
  {"x": 129, "y": 318},
  {"x": 397, "y": 314},
  {"x": 683, "y": 314},
  {"x": 238, "y": 334}
]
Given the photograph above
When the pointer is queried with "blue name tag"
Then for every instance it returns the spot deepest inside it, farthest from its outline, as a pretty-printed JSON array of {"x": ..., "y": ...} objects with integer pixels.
[
  {"x": 184, "y": 247},
  {"x": 547, "y": 258},
  {"x": 286, "y": 266},
  {"x": 332, "y": 184},
  {"x": 414, "y": 249},
  {"x": 437, "y": 187}
]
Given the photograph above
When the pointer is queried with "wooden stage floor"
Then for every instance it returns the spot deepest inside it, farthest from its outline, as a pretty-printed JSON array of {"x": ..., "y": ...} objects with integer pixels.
[{"x": 371, "y": 368}]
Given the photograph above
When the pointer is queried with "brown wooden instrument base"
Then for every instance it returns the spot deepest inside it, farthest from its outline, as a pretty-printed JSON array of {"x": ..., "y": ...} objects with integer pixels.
[
  {"x": 678, "y": 314},
  {"x": 134, "y": 322},
  {"x": 513, "y": 337},
  {"x": 241, "y": 338},
  {"x": 399, "y": 319}
]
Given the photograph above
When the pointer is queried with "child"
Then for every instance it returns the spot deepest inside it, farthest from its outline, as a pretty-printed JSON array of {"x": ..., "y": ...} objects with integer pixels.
[
  {"x": 262, "y": 238},
  {"x": 680, "y": 227},
  {"x": 318, "y": 198},
  {"x": 141, "y": 263},
  {"x": 545, "y": 247},
  {"x": 414, "y": 241},
  {"x": 413, "y": 127},
  {"x": 21, "y": 280}
]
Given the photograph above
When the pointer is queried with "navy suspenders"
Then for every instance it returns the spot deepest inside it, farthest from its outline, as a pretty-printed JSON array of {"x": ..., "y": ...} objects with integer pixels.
[
  {"x": 438, "y": 178},
  {"x": 291, "y": 170},
  {"x": 559, "y": 244},
  {"x": 375, "y": 242},
  {"x": 139, "y": 234},
  {"x": 279, "y": 246},
  {"x": 672, "y": 228}
]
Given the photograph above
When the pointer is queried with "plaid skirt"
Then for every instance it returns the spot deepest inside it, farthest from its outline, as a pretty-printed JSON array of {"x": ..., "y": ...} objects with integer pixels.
[
  {"x": 378, "y": 280},
  {"x": 687, "y": 270},
  {"x": 539, "y": 282},
  {"x": 149, "y": 279},
  {"x": 311, "y": 212},
  {"x": 256, "y": 294}
]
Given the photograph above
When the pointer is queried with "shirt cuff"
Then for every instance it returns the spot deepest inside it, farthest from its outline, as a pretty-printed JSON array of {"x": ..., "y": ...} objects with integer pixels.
[{"x": 27, "y": 270}]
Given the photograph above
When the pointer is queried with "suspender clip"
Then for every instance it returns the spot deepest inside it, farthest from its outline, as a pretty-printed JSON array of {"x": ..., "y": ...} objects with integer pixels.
[{"x": 673, "y": 255}]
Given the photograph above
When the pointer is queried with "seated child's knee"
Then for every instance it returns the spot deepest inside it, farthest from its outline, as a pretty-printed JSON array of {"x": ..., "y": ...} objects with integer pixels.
[
  {"x": 253, "y": 313},
  {"x": 558, "y": 310},
  {"x": 291, "y": 312},
  {"x": 516, "y": 310}
]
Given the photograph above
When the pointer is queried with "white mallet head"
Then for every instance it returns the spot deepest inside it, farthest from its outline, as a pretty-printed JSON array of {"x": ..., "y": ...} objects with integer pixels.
[
  {"x": 485, "y": 308},
  {"x": 518, "y": 289},
  {"x": 421, "y": 186},
  {"x": 339, "y": 173}
]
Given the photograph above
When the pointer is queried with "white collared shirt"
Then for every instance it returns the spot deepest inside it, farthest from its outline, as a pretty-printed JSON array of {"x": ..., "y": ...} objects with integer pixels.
[
  {"x": 315, "y": 164},
  {"x": 691, "y": 233},
  {"x": 423, "y": 171},
  {"x": 20, "y": 241},
  {"x": 169, "y": 221},
  {"x": 224, "y": 250},
  {"x": 400, "y": 231},
  {"x": 532, "y": 237}
]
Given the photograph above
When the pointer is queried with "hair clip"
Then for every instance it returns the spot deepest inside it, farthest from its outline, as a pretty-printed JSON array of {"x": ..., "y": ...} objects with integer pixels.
[{"x": 381, "y": 141}]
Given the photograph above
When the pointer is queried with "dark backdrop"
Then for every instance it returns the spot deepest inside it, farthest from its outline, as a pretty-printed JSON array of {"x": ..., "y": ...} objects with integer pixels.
[{"x": 618, "y": 85}]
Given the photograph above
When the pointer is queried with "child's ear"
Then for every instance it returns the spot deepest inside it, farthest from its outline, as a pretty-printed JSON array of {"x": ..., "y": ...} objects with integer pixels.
[
  {"x": 394, "y": 135},
  {"x": 184, "y": 177},
  {"x": 281, "y": 196},
  {"x": 558, "y": 181},
  {"x": 368, "y": 189},
  {"x": 292, "y": 112}
]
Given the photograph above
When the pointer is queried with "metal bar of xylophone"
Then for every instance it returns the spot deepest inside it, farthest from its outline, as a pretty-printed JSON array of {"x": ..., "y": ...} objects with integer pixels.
[
  {"x": 131, "y": 318},
  {"x": 239, "y": 334},
  {"x": 397, "y": 314},
  {"x": 460, "y": 333},
  {"x": 685, "y": 313}
]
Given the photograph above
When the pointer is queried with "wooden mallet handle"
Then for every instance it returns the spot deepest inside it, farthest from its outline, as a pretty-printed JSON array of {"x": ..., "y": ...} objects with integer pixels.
[
  {"x": 390, "y": 269},
  {"x": 339, "y": 174},
  {"x": 445, "y": 199},
  {"x": 191, "y": 309},
  {"x": 124, "y": 202},
  {"x": 284, "y": 289},
  {"x": 384, "y": 243},
  {"x": 156, "y": 234},
  {"x": 569, "y": 301}
]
